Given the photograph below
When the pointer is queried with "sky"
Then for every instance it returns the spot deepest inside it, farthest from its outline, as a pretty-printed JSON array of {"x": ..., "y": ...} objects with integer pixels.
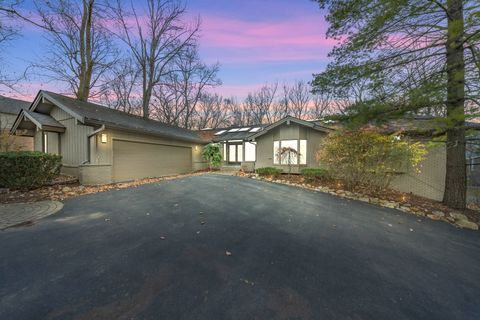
[{"x": 255, "y": 42}]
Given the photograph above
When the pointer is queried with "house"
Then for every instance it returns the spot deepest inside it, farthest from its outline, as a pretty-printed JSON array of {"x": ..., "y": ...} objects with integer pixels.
[
  {"x": 9, "y": 109},
  {"x": 257, "y": 146},
  {"x": 101, "y": 145}
]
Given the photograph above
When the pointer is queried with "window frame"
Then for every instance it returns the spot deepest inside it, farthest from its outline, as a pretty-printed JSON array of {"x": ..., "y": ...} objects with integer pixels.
[
  {"x": 300, "y": 160},
  {"x": 45, "y": 142}
]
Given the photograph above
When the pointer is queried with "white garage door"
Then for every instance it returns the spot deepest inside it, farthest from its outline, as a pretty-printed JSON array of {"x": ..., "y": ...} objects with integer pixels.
[{"x": 137, "y": 160}]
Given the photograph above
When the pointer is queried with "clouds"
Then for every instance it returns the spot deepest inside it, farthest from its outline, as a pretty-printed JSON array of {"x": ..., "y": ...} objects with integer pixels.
[{"x": 242, "y": 41}]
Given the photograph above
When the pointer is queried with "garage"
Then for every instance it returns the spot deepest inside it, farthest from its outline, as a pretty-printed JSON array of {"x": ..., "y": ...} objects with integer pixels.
[{"x": 137, "y": 160}]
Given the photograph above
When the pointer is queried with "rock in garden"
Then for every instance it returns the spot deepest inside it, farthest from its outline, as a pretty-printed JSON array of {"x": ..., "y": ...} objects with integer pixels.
[
  {"x": 66, "y": 189},
  {"x": 467, "y": 224},
  {"x": 439, "y": 214},
  {"x": 458, "y": 216}
]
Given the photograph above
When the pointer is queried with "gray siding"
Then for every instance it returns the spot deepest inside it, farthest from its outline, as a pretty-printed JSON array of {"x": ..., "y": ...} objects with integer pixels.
[
  {"x": 74, "y": 142},
  {"x": 6, "y": 121},
  {"x": 429, "y": 180},
  {"x": 287, "y": 132},
  {"x": 38, "y": 143}
]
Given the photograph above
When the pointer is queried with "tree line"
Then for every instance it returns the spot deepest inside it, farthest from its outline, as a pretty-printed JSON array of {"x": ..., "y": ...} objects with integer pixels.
[{"x": 144, "y": 60}]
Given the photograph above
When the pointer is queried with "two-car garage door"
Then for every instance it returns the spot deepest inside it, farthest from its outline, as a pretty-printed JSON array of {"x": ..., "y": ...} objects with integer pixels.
[{"x": 137, "y": 160}]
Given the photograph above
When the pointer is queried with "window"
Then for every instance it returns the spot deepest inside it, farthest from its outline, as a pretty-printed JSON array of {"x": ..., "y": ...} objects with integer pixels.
[
  {"x": 289, "y": 157},
  {"x": 276, "y": 152},
  {"x": 239, "y": 153},
  {"x": 45, "y": 142},
  {"x": 220, "y": 132},
  {"x": 295, "y": 158},
  {"x": 303, "y": 152},
  {"x": 250, "y": 148}
]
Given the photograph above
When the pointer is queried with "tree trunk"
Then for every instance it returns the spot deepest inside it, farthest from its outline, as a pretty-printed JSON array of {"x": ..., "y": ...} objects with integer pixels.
[{"x": 456, "y": 175}]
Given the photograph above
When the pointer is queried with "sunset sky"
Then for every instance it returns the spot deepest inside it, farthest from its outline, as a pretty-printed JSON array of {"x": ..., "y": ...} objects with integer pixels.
[{"x": 254, "y": 41}]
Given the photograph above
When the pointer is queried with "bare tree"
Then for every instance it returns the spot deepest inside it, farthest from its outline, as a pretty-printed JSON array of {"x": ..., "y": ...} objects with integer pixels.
[
  {"x": 182, "y": 88},
  {"x": 80, "y": 49},
  {"x": 155, "y": 38},
  {"x": 236, "y": 113},
  {"x": 120, "y": 88},
  {"x": 260, "y": 104},
  {"x": 297, "y": 97},
  {"x": 211, "y": 112},
  {"x": 322, "y": 106},
  {"x": 8, "y": 31}
]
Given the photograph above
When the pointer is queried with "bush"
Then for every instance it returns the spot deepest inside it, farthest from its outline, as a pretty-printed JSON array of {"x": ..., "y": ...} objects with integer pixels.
[
  {"x": 28, "y": 170},
  {"x": 314, "y": 174},
  {"x": 212, "y": 153},
  {"x": 269, "y": 171},
  {"x": 369, "y": 158}
]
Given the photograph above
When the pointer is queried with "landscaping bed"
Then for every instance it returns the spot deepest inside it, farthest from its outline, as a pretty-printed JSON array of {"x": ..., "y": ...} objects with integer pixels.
[
  {"x": 64, "y": 187},
  {"x": 389, "y": 198}
]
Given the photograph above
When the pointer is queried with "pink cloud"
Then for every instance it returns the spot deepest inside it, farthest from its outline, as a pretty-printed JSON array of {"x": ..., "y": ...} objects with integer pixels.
[{"x": 234, "y": 33}]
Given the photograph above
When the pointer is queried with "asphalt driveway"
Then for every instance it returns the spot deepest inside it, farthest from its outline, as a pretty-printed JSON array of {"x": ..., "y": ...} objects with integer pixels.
[{"x": 223, "y": 247}]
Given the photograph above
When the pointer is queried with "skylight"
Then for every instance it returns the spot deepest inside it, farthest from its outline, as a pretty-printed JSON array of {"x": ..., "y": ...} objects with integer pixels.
[
  {"x": 234, "y": 130},
  {"x": 255, "y": 129},
  {"x": 244, "y": 129},
  {"x": 220, "y": 132}
]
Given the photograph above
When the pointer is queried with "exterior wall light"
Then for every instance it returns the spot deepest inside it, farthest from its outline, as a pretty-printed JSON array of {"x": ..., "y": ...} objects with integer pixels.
[
  {"x": 196, "y": 148},
  {"x": 104, "y": 138}
]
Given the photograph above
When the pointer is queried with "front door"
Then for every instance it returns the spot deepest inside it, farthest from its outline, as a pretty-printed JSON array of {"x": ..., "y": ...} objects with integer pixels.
[{"x": 235, "y": 153}]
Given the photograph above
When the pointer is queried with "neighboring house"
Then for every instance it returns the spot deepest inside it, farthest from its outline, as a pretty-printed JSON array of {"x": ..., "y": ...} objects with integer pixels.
[
  {"x": 101, "y": 145},
  {"x": 9, "y": 109}
]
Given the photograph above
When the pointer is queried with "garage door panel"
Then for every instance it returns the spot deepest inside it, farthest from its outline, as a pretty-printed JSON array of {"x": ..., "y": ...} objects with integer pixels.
[{"x": 137, "y": 160}]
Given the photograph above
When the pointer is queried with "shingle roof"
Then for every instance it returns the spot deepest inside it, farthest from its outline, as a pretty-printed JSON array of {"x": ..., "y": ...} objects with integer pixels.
[
  {"x": 12, "y": 106},
  {"x": 44, "y": 119},
  {"x": 94, "y": 113}
]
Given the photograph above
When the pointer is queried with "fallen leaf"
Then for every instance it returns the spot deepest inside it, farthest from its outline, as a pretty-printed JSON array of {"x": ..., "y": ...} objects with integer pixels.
[
  {"x": 202, "y": 222},
  {"x": 106, "y": 219},
  {"x": 411, "y": 230},
  {"x": 162, "y": 238},
  {"x": 228, "y": 253},
  {"x": 390, "y": 225}
]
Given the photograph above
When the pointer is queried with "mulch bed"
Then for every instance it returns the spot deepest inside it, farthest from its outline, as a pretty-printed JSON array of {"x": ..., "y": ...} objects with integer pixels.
[
  {"x": 65, "y": 187},
  {"x": 415, "y": 202}
]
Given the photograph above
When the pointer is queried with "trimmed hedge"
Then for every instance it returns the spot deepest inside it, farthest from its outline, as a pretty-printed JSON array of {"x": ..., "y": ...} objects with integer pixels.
[
  {"x": 314, "y": 174},
  {"x": 27, "y": 169},
  {"x": 269, "y": 171}
]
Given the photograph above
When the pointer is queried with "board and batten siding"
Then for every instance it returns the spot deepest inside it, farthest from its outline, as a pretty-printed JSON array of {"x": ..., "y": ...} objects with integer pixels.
[
  {"x": 38, "y": 143},
  {"x": 74, "y": 142},
  {"x": 288, "y": 132}
]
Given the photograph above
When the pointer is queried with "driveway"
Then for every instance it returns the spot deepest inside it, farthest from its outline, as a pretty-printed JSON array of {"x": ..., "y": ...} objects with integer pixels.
[{"x": 224, "y": 247}]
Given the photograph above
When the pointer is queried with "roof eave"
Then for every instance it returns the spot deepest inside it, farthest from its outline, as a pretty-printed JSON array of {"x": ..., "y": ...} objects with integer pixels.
[{"x": 147, "y": 132}]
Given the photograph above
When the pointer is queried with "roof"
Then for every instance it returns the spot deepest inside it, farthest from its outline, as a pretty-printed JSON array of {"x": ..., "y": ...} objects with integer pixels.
[
  {"x": 91, "y": 113},
  {"x": 42, "y": 119},
  {"x": 12, "y": 106},
  {"x": 419, "y": 125},
  {"x": 288, "y": 119}
]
